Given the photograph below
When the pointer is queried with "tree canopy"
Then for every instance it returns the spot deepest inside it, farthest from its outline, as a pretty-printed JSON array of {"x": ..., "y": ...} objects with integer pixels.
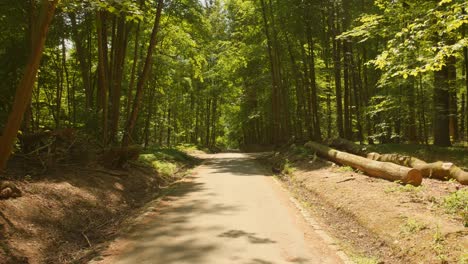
[{"x": 237, "y": 73}]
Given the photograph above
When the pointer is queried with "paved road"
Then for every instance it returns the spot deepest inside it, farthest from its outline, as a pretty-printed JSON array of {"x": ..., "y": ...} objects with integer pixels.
[{"x": 228, "y": 212}]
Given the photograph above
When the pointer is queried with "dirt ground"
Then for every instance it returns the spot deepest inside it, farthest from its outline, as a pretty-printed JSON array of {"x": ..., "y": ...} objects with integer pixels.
[
  {"x": 376, "y": 220},
  {"x": 66, "y": 212}
]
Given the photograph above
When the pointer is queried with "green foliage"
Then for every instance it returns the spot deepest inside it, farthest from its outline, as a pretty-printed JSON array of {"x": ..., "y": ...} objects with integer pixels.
[
  {"x": 457, "y": 204},
  {"x": 288, "y": 168},
  {"x": 345, "y": 169},
  {"x": 412, "y": 226},
  {"x": 359, "y": 259},
  {"x": 421, "y": 35},
  {"x": 407, "y": 188}
]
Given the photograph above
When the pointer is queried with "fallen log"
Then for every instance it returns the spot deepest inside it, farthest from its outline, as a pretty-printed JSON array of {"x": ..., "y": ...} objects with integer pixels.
[
  {"x": 385, "y": 170},
  {"x": 439, "y": 170}
]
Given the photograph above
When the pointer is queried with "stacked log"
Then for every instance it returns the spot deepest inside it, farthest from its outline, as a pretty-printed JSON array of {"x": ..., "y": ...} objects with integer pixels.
[
  {"x": 385, "y": 170},
  {"x": 439, "y": 170}
]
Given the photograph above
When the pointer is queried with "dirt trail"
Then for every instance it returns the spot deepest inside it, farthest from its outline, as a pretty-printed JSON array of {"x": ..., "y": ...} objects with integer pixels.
[{"x": 229, "y": 211}]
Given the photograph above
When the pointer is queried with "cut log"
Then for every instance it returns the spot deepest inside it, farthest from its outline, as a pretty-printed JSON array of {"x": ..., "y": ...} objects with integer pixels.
[
  {"x": 385, "y": 170},
  {"x": 439, "y": 170}
]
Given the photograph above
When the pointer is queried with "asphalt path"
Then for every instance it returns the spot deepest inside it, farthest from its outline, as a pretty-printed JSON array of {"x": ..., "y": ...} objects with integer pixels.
[{"x": 229, "y": 211}]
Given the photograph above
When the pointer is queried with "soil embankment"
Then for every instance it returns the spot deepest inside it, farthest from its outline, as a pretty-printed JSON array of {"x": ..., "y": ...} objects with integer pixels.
[{"x": 65, "y": 213}]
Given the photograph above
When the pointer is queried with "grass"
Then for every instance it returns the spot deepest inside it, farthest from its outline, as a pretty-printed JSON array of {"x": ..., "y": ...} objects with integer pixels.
[
  {"x": 364, "y": 260},
  {"x": 438, "y": 245},
  {"x": 412, "y": 226},
  {"x": 345, "y": 169},
  {"x": 404, "y": 188},
  {"x": 165, "y": 160},
  {"x": 288, "y": 169},
  {"x": 463, "y": 259},
  {"x": 457, "y": 155},
  {"x": 457, "y": 203}
]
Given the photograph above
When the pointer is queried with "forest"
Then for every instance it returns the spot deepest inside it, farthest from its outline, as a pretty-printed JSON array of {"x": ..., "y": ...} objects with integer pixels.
[
  {"x": 235, "y": 73},
  {"x": 107, "y": 105}
]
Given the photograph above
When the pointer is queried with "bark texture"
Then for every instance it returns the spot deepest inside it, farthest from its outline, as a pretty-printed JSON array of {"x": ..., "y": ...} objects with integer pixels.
[
  {"x": 25, "y": 87},
  {"x": 440, "y": 170}
]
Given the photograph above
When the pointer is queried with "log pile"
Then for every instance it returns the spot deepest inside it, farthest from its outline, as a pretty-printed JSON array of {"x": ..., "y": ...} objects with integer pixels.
[
  {"x": 439, "y": 170},
  {"x": 385, "y": 170}
]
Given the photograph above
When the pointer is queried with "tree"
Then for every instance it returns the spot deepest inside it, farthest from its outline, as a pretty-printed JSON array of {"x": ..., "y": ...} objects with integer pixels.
[{"x": 24, "y": 89}]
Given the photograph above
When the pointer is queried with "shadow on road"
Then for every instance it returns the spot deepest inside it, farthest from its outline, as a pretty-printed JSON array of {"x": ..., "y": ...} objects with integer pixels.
[{"x": 160, "y": 237}]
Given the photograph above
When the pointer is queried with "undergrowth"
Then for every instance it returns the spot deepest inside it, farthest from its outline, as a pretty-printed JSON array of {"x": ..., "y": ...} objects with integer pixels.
[
  {"x": 404, "y": 188},
  {"x": 165, "y": 161},
  {"x": 457, "y": 204},
  {"x": 412, "y": 226}
]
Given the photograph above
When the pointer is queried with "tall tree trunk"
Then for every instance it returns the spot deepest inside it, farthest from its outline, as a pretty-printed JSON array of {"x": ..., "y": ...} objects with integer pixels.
[
  {"x": 412, "y": 135},
  {"x": 118, "y": 71},
  {"x": 314, "y": 101},
  {"x": 276, "y": 122},
  {"x": 214, "y": 121},
  {"x": 337, "y": 71},
  {"x": 453, "y": 102},
  {"x": 82, "y": 59},
  {"x": 207, "y": 122},
  {"x": 25, "y": 87},
  {"x": 103, "y": 70},
  {"x": 465, "y": 57},
  {"x": 133, "y": 72},
  {"x": 130, "y": 125},
  {"x": 441, "y": 102},
  {"x": 347, "y": 94},
  {"x": 149, "y": 117}
]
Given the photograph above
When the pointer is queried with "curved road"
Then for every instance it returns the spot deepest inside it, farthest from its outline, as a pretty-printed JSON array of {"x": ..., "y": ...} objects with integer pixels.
[{"x": 229, "y": 211}]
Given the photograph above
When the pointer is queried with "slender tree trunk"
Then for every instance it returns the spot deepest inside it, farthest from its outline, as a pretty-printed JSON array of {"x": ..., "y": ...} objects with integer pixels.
[
  {"x": 465, "y": 56},
  {"x": 441, "y": 102},
  {"x": 25, "y": 87},
  {"x": 149, "y": 116},
  {"x": 82, "y": 59},
  {"x": 347, "y": 103},
  {"x": 314, "y": 100},
  {"x": 103, "y": 69},
  {"x": 412, "y": 135},
  {"x": 143, "y": 78},
  {"x": 66, "y": 76},
  {"x": 453, "y": 102},
  {"x": 118, "y": 71},
  {"x": 337, "y": 70},
  {"x": 207, "y": 122},
  {"x": 133, "y": 72},
  {"x": 214, "y": 121},
  {"x": 275, "y": 85}
]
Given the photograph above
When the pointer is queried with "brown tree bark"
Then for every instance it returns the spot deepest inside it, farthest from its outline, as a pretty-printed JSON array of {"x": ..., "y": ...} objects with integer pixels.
[
  {"x": 25, "y": 87},
  {"x": 276, "y": 120},
  {"x": 133, "y": 72},
  {"x": 440, "y": 170},
  {"x": 130, "y": 125},
  {"x": 441, "y": 100},
  {"x": 118, "y": 70},
  {"x": 385, "y": 170},
  {"x": 103, "y": 71},
  {"x": 337, "y": 73}
]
